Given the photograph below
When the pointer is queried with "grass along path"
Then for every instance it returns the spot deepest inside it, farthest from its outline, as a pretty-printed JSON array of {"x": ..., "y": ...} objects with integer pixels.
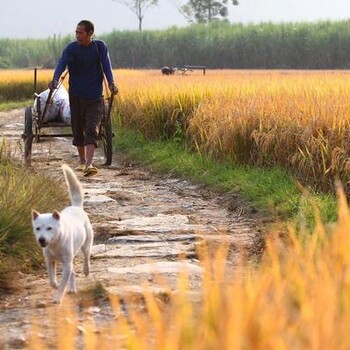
[{"x": 272, "y": 191}]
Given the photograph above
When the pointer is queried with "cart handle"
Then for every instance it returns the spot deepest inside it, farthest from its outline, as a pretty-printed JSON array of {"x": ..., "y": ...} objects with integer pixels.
[
  {"x": 110, "y": 104},
  {"x": 47, "y": 104}
]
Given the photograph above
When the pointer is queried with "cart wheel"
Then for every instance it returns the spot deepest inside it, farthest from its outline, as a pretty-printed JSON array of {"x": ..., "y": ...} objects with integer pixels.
[
  {"x": 28, "y": 136},
  {"x": 106, "y": 136}
]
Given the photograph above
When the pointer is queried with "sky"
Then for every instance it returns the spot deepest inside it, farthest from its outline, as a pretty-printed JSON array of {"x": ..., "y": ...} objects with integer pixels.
[{"x": 46, "y": 18}]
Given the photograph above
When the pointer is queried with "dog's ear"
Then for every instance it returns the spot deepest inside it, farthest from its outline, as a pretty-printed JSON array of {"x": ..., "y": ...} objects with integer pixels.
[
  {"x": 35, "y": 214},
  {"x": 56, "y": 215}
]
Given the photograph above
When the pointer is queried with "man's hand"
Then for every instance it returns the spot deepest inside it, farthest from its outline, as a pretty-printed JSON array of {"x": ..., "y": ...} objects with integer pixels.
[
  {"x": 53, "y": 85},
  {"x": 113, "y": 89}
]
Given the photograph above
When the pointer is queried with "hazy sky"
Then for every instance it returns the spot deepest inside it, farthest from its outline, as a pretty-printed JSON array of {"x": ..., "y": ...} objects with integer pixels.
[{"x": 44, "y": 18}]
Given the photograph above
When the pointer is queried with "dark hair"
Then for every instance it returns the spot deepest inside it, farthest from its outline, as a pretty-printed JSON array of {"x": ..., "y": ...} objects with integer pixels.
[{"x": 88, "y": 26}]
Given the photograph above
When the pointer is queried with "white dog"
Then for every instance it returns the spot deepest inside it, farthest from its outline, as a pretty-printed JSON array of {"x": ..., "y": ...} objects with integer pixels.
[{"x": 61, "y": 234}]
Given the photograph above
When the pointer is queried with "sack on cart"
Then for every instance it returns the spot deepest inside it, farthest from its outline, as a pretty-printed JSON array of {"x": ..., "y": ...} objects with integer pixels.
[{"x": 58, "y": 108}]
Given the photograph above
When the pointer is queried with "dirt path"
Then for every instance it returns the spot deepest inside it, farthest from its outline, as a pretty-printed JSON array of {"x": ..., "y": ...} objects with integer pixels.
[{"x": 143, "y": 224}]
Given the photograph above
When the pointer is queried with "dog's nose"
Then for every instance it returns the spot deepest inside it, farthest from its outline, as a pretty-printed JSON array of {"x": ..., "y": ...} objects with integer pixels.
[{"x": 42, "y": 241}]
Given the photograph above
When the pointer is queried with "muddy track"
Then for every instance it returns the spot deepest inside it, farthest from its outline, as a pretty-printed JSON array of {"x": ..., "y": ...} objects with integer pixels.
[{"x": 145, "y": 225}]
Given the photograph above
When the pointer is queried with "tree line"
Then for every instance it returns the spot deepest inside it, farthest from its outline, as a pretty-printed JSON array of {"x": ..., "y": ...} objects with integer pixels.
[
  {"x": 195, "y": 11},
  {"x": 217, "y": 45}
]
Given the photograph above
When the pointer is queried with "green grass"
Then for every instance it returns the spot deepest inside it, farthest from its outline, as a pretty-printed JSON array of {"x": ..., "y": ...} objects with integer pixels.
[
  {"x": 271, "y": 191},
  {"x": 9, "y": 105}
]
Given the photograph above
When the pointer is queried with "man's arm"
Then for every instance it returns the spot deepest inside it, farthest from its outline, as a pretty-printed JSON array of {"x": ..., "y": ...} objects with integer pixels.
[
  {"x": 108, "y": 71},
  {"x": 60, "y": 68}
]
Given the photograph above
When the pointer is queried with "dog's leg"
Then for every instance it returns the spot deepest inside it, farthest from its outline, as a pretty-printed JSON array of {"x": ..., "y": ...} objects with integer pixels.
[
  {"x": 66, "y": 274},
  {"x": 51, "y": 270},
  {"x": 72, "y": 286},
  {"x": 86, "y": 253},
  {"x": 86, "y": 247}
]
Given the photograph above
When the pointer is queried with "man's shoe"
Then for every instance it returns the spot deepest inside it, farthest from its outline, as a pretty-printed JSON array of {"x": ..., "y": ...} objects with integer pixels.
[
  {"x": 80, "y": 167},
  {"x": 90, "y": 170}
]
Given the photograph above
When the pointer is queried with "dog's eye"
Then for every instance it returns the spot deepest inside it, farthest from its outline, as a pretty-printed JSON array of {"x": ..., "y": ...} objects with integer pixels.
[
  {"x": 49, "y": 228},
  {"x": 38, "y": 228}
]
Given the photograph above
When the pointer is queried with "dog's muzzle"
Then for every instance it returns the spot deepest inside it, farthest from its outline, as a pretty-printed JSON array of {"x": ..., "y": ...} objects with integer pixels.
[{"x": 42, "y": 242}]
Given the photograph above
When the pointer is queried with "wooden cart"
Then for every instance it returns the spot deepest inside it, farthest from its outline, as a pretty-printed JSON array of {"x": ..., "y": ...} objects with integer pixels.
[{"x": 34, "y": 125}]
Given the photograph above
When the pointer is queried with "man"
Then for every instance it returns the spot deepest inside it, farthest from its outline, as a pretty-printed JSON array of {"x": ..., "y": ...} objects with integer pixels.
[{"x": 87, "y": 61}]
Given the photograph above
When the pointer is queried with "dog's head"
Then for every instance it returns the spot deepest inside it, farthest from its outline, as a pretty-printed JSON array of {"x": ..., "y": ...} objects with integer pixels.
[{"x": 45, "y": 226}]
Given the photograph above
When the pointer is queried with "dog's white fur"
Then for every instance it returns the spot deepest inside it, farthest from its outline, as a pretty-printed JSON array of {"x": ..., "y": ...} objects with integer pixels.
[{"x": 61, "y": 234}]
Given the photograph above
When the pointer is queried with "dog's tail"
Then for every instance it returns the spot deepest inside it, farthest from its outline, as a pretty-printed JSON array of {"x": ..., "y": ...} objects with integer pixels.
[{"x": 75, "y": 189}]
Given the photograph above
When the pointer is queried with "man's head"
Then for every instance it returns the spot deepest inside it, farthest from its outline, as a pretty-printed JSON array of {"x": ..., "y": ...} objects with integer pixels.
[{"x": 84, "y": 31}]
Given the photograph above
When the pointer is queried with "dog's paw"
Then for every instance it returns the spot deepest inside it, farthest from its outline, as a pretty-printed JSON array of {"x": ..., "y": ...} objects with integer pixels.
[
  {"x": 57, "y": 300},
  {"x": 58, "y": 297},
  {"x": 54, "y": 284},
  {"x": 86, "y": 270},
  {"x": 72, "y": 290}
]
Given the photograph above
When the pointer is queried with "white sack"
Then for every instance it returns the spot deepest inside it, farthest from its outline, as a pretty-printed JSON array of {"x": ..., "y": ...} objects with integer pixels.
[
  {"x": 65, "y": 111},
  {"x": 61, "y": 93},
  {"x": 54, "y": 109}
]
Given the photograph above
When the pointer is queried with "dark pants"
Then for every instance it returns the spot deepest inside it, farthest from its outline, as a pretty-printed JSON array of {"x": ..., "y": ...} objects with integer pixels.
[{"x": 86, "y": 116}]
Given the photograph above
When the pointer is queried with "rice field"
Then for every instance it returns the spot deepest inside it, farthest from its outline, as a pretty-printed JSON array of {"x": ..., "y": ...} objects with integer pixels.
[
  {"x": 298, "y": 296},
  {"x": 298, "y": 120}
]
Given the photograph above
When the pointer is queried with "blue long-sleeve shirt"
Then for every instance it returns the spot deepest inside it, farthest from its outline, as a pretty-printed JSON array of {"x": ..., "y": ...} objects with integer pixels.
[{"x": 84, "y": 67}]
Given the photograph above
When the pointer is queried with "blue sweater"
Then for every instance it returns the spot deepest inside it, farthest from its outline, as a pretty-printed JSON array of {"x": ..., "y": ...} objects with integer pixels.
[{"x": 85, "y": 75}]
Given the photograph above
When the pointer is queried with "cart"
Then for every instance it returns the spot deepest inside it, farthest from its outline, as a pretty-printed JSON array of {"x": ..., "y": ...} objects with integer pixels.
[{"x": 34, "y": 125}]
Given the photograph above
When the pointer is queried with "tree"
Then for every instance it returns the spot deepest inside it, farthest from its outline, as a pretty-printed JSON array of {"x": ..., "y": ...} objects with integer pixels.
[
  {"x": 139, "y": 7},
  {"x": 205, "y": 11}
]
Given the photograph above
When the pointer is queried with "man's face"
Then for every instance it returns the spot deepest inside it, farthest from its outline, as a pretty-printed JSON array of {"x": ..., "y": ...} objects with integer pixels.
[{"x": 83, "y": 37}]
